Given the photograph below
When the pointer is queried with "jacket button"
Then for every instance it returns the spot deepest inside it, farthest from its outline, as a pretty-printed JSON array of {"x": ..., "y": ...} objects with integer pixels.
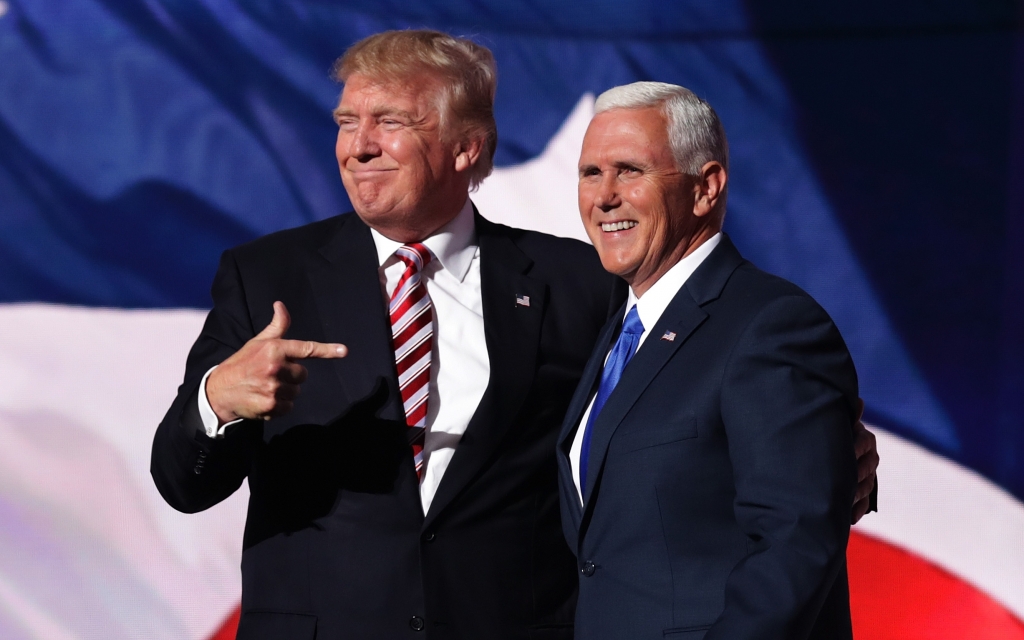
[
  {"x": 416, "y": 623},
  {"x": 588, "y": 568},
  {"x": 198, "y": 470},
  {"x": 430, "y": 536}
]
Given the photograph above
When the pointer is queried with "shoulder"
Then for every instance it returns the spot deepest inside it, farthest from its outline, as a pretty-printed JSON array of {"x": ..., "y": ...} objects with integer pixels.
[
  {"x": 288, "y": 242},
  {"x": 750, "y": 296},
  {"x": 577, "y": 283},
  {"x": 549, "y": 252},
  {"x": 762, "y": 288},
  {"x": 774, "y": 313},
  {"x": 734, "y": 282}
]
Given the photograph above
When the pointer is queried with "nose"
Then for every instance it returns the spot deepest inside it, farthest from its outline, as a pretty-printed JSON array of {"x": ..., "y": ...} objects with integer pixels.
[
  {"x": 607, "y": 196},
  {"x": 364, "y": 144}
]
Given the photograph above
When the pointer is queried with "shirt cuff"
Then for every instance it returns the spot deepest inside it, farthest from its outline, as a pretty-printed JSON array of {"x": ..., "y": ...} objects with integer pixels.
[{"x": 209, "y": 416}]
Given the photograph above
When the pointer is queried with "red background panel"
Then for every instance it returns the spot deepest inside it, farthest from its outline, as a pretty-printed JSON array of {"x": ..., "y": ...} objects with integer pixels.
[{"x": 896, "y": 595}]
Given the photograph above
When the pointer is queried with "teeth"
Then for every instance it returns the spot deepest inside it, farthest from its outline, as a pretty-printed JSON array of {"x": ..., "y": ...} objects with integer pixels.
[{"x": 618, "y": 226}]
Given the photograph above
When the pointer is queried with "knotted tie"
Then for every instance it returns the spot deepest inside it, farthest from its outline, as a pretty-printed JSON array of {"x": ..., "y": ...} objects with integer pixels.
[
  {"x": 621, "y": 353},
  {"x": 411, "y": 333}
]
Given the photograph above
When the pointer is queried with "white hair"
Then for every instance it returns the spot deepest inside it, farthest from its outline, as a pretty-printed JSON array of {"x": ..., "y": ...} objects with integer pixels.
[{"x": 695, "y": 134}]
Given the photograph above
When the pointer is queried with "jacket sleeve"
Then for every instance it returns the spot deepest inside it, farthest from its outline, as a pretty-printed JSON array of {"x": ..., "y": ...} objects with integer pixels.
[
  {"x": 788, "y": 405},
  {"x": 191, "y": 470}
]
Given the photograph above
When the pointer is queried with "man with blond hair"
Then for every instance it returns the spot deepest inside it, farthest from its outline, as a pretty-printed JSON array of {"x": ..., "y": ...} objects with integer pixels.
[{"x": 411, "y": 488}]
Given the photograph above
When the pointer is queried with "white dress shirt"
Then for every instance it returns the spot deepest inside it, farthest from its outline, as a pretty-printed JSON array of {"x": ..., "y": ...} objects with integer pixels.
[
  {"x": 649, "y": 308},
  {"x": 460, "y": 368}
]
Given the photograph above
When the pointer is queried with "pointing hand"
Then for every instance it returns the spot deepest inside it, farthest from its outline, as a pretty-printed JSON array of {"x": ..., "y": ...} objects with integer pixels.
[{"x": 261, "y": 380}]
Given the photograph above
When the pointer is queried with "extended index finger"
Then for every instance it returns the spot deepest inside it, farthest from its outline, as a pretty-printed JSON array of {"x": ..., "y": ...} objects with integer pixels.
[{"x": 300, "y": 349}]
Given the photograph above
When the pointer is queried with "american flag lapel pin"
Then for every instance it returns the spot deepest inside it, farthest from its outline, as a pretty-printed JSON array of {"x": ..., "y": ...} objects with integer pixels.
[
  {"x": 522, "y": 301},
  {"x": 669, "y": 336}
]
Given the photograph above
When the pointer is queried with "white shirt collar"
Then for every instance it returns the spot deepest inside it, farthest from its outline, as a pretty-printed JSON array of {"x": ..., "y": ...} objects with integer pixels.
[
  {"x": 656, "y": 299},
  {"x": 454, "y": 244}
]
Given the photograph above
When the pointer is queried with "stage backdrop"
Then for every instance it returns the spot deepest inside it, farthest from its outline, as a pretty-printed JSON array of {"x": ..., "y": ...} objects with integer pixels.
[{"x": 877, "y": 160}]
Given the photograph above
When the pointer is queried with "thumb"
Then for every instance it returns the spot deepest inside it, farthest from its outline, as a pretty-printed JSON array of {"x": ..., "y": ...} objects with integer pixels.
[
  {"x": 860, "y": 405},
  {"x": 278, "y": 325}
]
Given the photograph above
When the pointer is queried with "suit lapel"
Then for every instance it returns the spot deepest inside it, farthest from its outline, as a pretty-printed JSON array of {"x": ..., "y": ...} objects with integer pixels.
[
  {"x": 346, "y": 287},
  {"x": 512, "y": 333},
  {"x": 683, "y": 317},
  {"x": 580, "y": 399}
]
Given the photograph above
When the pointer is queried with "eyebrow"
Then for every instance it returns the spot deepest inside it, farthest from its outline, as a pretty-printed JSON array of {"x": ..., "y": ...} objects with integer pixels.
[
  {"x": 376, "y": 113},
  {"x": 618, "y": 164}
]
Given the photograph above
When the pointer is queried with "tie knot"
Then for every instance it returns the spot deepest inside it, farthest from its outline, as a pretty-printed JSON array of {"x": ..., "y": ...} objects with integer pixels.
[
  {"x": 632, "y": 324},
  {"x": 414, "y": 255}
]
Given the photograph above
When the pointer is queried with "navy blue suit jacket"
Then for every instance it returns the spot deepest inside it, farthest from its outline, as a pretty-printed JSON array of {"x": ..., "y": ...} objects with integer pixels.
[
  {"x": 336, "y": 542},
  {"x": 721, "y": 469}
]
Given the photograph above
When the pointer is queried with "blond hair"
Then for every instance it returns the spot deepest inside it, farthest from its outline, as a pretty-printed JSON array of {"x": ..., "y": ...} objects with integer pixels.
[{"x": 464, "y": 74}]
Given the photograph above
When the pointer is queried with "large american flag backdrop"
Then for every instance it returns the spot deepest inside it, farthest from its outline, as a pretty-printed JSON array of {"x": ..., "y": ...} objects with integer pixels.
[{"x": 877, "y": 160}]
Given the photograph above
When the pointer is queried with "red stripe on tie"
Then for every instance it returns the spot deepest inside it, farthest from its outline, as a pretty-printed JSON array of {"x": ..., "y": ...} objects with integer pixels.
[
  {"x": 414, "y": 355},
  {"x": 412, "y": 317}
]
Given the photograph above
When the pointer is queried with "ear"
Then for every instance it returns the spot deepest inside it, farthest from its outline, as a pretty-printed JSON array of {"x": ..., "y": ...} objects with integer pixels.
[
  {"x": 709, "y": 188},
  {"x": 467, "y": 153}
]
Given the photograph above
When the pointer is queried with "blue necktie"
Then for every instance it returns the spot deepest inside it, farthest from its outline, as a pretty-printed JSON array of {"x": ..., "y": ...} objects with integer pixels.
[{"x": 621, "y": 353}]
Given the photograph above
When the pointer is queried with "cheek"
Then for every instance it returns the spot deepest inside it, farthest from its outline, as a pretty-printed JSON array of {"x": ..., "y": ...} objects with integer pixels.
[
  {"x": 340, "y": 147},
  {"x": 587, "y": 194},
  {"x": 593, "y": 231},
  {"x": 583, "y": 200},
  {"x": 392, "y": 147}
]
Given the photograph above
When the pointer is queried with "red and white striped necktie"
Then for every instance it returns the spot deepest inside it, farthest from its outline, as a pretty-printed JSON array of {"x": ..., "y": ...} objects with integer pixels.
[{"x": 411, "y": 334}]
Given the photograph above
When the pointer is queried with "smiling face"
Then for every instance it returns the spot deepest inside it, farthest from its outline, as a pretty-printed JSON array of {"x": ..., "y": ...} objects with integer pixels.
[
  {"x": 641, "y": 213},
  {"x": 402, "y": 177}
]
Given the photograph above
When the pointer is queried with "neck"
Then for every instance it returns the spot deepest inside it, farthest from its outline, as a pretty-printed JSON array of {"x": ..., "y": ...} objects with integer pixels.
[{"x": 640, "y": 285}]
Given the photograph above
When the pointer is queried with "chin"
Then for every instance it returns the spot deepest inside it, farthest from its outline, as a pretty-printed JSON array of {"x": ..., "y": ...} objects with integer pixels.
[{"x": 617, "y": 268}]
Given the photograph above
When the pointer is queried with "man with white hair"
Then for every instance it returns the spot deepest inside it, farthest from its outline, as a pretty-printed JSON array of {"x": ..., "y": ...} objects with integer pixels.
[{"x": 706, "y": 462}]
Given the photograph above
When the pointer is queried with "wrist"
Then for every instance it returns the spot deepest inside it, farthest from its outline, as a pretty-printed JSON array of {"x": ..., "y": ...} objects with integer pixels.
[{"x": 211, "y": 391}]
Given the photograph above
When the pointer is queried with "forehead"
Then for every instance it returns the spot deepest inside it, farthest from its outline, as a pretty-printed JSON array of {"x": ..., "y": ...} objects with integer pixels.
[
  {"x": 627, "y": 134},
  {"x": 406, "y": 93}
]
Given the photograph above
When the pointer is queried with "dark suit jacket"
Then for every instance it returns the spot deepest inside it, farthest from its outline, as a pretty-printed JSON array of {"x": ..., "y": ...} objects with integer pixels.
[
  {"x": 336, "y": 544},
  {"x": 721, "y": 469}
]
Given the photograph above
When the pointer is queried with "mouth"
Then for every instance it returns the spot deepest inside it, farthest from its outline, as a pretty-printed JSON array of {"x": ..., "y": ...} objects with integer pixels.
[
  {"x": 370, "y": 171},
  {"x": 619, "y": 225}
]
